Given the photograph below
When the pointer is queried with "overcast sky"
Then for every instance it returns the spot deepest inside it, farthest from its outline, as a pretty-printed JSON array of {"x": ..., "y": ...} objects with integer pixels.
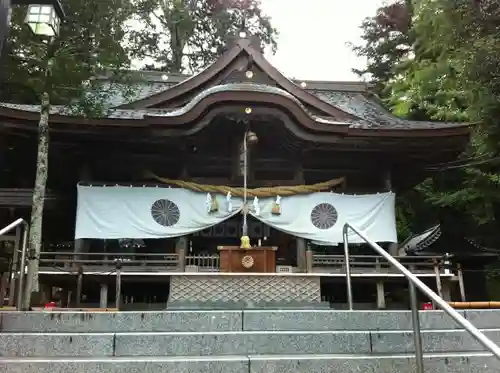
[{"x": 313, "y": 36}]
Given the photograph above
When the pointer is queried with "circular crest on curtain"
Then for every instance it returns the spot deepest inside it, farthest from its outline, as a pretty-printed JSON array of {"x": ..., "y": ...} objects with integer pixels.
[
  {"x": 324, "y": 216},
  {"x": 165, "y": 212}
]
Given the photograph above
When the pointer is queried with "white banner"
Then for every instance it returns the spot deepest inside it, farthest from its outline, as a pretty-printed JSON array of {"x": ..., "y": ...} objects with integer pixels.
[
  {"x": 320, "y": 217},
  {"x": 134, "y": 212}
]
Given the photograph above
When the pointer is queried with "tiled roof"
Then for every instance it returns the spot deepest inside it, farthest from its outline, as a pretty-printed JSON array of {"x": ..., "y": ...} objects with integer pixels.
[
  {"x": 349, "y": 97},
  {"x": 368, "y": 108},
  {"x": 421, "y": 241},
  {"x": 139, "y": 92}
]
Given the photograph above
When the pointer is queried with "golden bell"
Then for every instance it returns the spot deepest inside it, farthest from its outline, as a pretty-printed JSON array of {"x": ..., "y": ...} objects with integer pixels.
[{"x": 245, "y": 242}]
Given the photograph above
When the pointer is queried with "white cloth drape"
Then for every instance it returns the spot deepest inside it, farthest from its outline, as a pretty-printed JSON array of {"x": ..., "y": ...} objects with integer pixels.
[
  {"x": 374, "y": 214},
  {"x": 128, "y": 212},
  {"x": 132, "y": 212}
]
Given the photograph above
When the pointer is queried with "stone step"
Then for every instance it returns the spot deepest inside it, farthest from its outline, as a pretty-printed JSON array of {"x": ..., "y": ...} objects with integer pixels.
[
  {"x": 233, "y": 343},
  {"x": 97, "y": 322},
  {"x": 198, "y": 321},
  {"x": 436, "y": 363},
  {"x": 212, "y": 364},
  {"x": 349, "y": 320}
]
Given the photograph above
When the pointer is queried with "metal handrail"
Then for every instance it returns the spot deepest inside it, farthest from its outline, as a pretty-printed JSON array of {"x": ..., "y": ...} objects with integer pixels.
[
  {"x": 6, "y": 230},
  {"x": 414, "y": 281},
  {"x": 11, "y": 226}
]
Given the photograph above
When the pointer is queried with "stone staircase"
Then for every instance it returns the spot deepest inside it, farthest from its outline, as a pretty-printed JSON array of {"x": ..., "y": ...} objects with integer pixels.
[{"x": 254, "y": 341}]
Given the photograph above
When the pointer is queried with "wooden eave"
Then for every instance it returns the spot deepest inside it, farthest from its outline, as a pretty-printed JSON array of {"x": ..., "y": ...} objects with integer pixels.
[{"x": 221, "y": 103}]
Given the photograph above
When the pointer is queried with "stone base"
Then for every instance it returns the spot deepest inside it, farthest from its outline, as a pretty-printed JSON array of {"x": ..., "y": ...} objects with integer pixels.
[
  {"x": 235, "y": 306},
  {"x": 244, "y": 291}
]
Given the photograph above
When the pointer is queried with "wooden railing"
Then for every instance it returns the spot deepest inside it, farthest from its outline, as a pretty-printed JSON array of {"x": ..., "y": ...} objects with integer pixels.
[
  {"x": 172, "y": 262},
  {"x": 203, "y": 263},
  {"x": 377, "y": 264},
  {"x": 104, "y": 262}
]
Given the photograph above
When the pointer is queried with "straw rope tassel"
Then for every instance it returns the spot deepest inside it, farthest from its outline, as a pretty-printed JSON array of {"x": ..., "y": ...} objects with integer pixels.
[{"x": 257, "y": 192}]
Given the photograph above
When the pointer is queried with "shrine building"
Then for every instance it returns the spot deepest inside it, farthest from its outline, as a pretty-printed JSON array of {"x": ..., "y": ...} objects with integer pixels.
[{"x": 228, "y": 188}]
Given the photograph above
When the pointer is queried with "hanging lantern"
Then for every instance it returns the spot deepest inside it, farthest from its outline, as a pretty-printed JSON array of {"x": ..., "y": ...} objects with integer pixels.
[{"x": 44, "y": 18}]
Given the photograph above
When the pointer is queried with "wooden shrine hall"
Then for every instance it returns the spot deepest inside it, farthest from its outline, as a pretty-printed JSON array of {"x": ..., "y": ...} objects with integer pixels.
[{"x": 249, "y": 174}]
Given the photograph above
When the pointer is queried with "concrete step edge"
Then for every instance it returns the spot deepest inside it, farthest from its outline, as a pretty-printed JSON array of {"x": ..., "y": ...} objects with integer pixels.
[
  {"x": 264, "y": 310},
  {"x": 244, "y": 332},
  {"x": 126, "y": 359}
]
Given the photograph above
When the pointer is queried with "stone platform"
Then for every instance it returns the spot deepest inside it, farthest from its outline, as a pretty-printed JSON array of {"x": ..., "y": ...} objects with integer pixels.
[{"x": 244, "y": 291}]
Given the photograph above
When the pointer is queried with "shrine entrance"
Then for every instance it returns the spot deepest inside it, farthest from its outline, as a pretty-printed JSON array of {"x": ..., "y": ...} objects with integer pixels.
[{"x": 205, "y": 244}]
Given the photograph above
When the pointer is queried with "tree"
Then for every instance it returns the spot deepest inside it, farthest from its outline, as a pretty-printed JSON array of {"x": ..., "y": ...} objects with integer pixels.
[
  {"x": 89, "y": 44},
  {"x": 452, "y": 73},
  {"x": 60, "y": 71},
  {"x": 187, "y": 35},
  {"x": 388, "y": 40},
  {"x": 459, "y": 76}
]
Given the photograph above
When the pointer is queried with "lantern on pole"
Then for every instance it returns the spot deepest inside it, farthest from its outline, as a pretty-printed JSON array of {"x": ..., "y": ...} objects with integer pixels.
[{"x": 44, "y": 18}]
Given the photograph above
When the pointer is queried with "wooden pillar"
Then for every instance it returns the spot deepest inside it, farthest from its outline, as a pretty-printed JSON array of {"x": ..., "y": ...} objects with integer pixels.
[
  {"x": 15, "y": 267},
  {"x": 388, "y": 180},
  {"x": 301, "y": 254},
  {"x": 380, "y": 295},
  {"x": 65, "y": 298},
  {"x": 181, "y": 249},
  {"x": 4, "y": 283},
  {"x": 118, "y": 295},
  {"x": 45, "y": 294},
  {"x": 103, "y": 300},
  {"x": 298, "y": 176},
  {"x": 79, "y": 287},
  {"x": 68, "y": 294},
  {"x": 309, "y": 261},
  {"x": 446, "y": 290},
  {"x": 393, "y": 246},
  {"x": 438, "y": 279},
  {"x": 82, "y": 245},
  {"x": 380, "y": 288}
]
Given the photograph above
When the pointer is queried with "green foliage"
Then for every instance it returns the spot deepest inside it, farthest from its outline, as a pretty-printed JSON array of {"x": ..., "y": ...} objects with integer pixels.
[
  {"x": 89, "y": 45},
  {"x": 387, "y": 40},
  {"x": 451, "y": 72},
  {"x": 187, "y": 35}
]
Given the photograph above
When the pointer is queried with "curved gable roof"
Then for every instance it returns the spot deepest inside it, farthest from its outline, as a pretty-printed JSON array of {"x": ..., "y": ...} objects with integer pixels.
[{"x": 241, "y": 46}]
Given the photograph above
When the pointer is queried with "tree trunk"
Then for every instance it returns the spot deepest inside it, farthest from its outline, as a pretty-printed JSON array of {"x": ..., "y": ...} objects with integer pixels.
[
  {"x": 35, "y": 233},
  {"x": 177, "y": 50}
]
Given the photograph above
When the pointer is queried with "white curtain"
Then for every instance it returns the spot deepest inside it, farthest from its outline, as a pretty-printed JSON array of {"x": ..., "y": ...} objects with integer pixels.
[
  {"x": 320, "y": 217},
  {"x": 132, "y": 212}
]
